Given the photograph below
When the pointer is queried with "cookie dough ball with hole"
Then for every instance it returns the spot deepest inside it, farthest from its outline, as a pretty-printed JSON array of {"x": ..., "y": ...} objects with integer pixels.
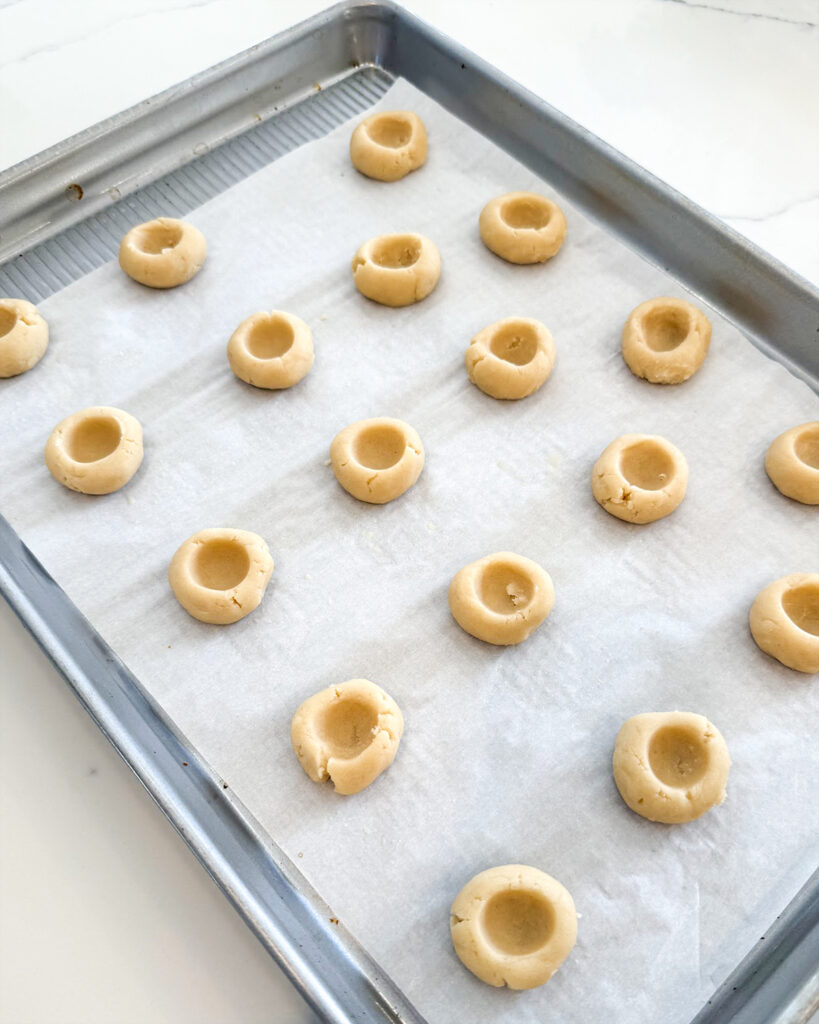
[
  {"x": 511, "y": 358},
  {"x": 522, "y": 227},
  {"x": 96, "y": 450},
  {"x": 271, "y": 350},
  {"x": 397, "y": 270},
  {"x": 220, "y": 575},
  {"x": 670, "y": 766},
  {"x": 23, "y": 337},
  {"x": 792, "y": 463},
  {"x": 513, "y": 925},
  {"x": 377, "y": 460},
  {"x": 163, "y": 253},
  {"x": 501, "y": 598},
  {"x": 388, "y": 145},
  {"x": 347, "y": 733},
  {"x": 666, "y": 340},
  {"x": 640, "y": 478},
  {"x": 784, "y": 621}
]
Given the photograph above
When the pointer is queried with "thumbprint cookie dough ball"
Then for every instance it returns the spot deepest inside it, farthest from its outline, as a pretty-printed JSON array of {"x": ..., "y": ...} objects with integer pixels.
[
  {"x": 397, "y": 270},
  {"x": 784, "y": 621},
  {"x": 387, "y": 146},
  {"x": 511, "y": 358},
  {"x": 522, "y": 227},
  {"x": 513, "y": 925},
  {"x": 163, "y": 253},
  {"x": 501, "y": 598},
  {"x": 377, "y": 460},
  {"x": 271, "y": 350},
  {"x": 219, "y": 575},
  {"x": 670, "y": 766},
  {"x": 666, "y": 340},
  {"x": 792, "y": 463},
  {"x": 96, "y": 450},
  {"x": 640, "y": 478},
  {"x": 348, "y": 734},
  {"x": 23, "y": 337}
]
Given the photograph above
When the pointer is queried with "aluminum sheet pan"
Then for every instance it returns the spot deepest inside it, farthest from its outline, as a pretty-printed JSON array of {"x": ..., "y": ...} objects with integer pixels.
[{"x": 129, "y": 168}]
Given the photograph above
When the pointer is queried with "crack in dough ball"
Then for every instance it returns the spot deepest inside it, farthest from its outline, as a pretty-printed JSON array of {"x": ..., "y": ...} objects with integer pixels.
[
  {"x": 670, "y": 766},
  {"x": 348, "y": 734},
  {"x": 513, "y": 925},
  {"x": 23, "y": 337},
  {"x": 377, "y": 460},
  {"x": 220, "y": 575},
  {"x": 640, "y": 478},
  {"x": 501, "y": 598}
]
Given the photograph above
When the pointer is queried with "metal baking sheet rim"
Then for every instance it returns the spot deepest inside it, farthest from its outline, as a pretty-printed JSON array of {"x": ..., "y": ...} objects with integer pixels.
[{"x": 776, "y": 981}]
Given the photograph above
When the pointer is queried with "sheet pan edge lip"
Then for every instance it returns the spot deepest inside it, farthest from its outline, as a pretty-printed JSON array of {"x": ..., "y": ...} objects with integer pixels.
[{"x": 151, "y": 105}]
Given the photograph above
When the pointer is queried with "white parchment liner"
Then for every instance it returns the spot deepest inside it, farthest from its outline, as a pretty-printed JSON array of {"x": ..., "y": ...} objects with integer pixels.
[{"x": 506, "y": 754}]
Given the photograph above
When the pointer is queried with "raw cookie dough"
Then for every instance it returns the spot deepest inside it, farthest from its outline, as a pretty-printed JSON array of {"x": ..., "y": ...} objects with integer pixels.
[
  {"x": 389, "y": 145},
  {"x": 640, "y": 478},
  {"x": 784, "y": 621},
  {"x": 522, "y": 227},
  {"x": 163, "y": 253},
  {"x": 377, "y": 460},
  {"x": 271, "y": 350},
  {"x": 511, "y": 358},
  {"x": 513, "y": 925},
  {"x": 348, "y": 733},
  {"x": 666, "y": 340},
  {"x": 792, "y": 463},
  {"x": 96, "y": 450},
  {"x": 219, "y": 575},
  {"x": 670, "y": 766},
  {"x": 397, "y": 270},
  {"x": 23, "y": 336},
  {"x": 501, "y": 598}
]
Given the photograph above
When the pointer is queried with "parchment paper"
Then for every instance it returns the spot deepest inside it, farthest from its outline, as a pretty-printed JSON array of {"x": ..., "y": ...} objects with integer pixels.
[{"x": 506, "y": 754}]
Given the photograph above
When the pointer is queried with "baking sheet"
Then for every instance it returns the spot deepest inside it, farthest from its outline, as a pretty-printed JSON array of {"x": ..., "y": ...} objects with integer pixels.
[{"x": 506, "y": 755}]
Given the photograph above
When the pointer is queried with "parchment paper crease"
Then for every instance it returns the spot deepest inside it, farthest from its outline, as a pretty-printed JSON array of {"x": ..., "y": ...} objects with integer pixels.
[{"x": 506, "y": 754}]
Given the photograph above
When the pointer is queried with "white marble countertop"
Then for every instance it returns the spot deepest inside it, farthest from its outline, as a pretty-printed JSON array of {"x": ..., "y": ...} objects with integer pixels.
[{"x": 104, "y": 914}]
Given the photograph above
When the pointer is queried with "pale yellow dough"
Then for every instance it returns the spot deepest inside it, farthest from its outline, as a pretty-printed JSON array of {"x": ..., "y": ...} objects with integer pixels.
[
  {"x": 522, "y": 227},
  {"x": 640, "y": 478},
  {"x": 347, "y": 733},
  {"x": 513, "y": 925},
  {"x": 377, "y": 460},
  {"x": 784, "y": 621},
  {"x": 792, "y": 463},
  {"x": 96, "y": 450},
  {"x": 397, "y": 270},
  {"x": 163, "y": 253},
  {"x": 670, "y": 766},
  {"x": 511, "y": 358},
  {"x": 501, "y": 598},
  {"x": 388, "y": 145},
  {"x": 665, "y": 340},
  {"x": 220, "y": 575},
  {"x": 23, "y": 337},
  {"x": 271, "y": 350}
]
